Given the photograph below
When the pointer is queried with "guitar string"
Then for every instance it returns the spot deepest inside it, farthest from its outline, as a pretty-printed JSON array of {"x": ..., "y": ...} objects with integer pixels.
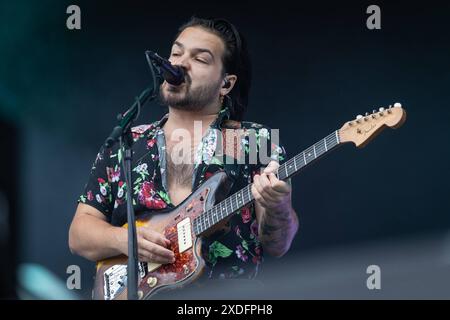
[
  {"x": 203, "y": 220},
  {"x": 216, "y": 214}
]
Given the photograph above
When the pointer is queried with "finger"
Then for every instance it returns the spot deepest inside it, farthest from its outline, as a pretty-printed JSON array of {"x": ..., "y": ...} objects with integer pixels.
[
  {"x": 278, "y": 186},
  {"x": 147, "y": 256},
  {"x": 156, "y": 249},
  {"x": 257, "y": 196},
  {"x": 266, "y": 190},
  {"x": 257, "y": 185},
  {"x": 155, "y": 237},
  {"x": 271, "y": 167}
]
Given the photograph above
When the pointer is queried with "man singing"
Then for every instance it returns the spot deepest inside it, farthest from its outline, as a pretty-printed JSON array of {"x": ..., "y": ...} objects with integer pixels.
[{"x": 215, "y": 92}]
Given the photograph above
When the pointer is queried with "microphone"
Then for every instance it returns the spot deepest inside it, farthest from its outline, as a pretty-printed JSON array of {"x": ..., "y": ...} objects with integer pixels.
[{"x": 171, "y": 73}]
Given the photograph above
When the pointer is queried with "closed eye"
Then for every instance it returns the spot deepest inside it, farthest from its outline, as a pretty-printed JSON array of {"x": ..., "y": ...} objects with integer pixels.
[{"x": 201, "y": 60}]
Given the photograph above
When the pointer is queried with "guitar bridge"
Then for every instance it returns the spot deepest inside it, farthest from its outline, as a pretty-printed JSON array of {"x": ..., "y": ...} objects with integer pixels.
[{"x": 115, "y": 279}]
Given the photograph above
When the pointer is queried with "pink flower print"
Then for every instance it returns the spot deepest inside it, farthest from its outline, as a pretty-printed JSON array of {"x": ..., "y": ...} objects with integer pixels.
[
  {"x": 149, "y": 198},
  {"x": 90, "y": 196},
  {"x": 246, "y": 215},
  {"x": 135, "y": 135},
  {"x": 113, "y": 175},
  {"x": 151, "y": 142}
]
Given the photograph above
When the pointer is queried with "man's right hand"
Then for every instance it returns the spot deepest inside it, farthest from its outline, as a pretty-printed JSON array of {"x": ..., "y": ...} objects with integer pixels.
[
  {"x": 92, "y": 237},
  {"x": 152, "y": 246}
]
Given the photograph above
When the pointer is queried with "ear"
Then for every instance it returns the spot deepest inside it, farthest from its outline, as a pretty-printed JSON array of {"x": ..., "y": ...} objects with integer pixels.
[{"x": 232, "y": 81}]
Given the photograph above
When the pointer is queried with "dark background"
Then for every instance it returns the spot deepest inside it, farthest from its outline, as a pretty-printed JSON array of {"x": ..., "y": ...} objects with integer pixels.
[{"x": 315, "y": 66}]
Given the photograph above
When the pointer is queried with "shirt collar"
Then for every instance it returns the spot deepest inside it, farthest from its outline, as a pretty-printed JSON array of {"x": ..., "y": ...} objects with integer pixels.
[{"x": 223, "y": 115}]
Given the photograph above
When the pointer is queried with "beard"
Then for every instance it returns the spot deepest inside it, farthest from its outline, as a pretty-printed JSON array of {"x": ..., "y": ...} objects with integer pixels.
[{"x": 187, "y": 98}]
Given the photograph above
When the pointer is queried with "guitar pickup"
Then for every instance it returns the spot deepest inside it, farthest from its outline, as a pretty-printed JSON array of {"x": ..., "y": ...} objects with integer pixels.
[{"x": 184, "y": 235}]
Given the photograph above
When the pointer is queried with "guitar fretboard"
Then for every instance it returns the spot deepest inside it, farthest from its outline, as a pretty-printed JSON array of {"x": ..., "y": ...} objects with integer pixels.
[{"x": 244, "y": 196}]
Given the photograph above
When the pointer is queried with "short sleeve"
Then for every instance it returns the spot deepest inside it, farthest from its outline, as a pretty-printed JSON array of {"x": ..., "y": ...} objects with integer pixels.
[{"x": 98, "y": 190}]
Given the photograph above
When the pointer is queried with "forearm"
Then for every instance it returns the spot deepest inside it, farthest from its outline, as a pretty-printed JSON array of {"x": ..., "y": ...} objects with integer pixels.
[
  {"x": 277, "y": 230},
  {"x": 95, "y": 239}
]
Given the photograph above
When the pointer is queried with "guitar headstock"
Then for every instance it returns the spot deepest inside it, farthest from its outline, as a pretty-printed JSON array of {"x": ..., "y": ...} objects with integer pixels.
[{"x": 364, "y": 128}]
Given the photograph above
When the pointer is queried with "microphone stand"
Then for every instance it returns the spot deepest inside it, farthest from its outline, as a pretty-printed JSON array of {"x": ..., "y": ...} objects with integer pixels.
[{"x": 122, "y": 134}]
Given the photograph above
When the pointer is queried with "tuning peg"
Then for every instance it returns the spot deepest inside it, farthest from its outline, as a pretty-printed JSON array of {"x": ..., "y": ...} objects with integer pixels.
[
  {"x": 358, "y": 118},
  {"x": 367, "y": 114},
  {"x": 374, "y": 111},
  {"x": 381, "y": 109},
  {"x": 397, "y": 105}
]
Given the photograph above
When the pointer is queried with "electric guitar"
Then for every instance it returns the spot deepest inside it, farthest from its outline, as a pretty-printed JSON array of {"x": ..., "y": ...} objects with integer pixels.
[{"x": 206, "y": 210}]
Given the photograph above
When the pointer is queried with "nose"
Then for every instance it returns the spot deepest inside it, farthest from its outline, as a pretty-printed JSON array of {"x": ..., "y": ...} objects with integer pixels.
[{"x": 181, "y": 61}]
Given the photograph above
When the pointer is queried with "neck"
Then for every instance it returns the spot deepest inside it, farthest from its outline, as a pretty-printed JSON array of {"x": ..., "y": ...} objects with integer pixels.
[{"x": 180, "y": 118}]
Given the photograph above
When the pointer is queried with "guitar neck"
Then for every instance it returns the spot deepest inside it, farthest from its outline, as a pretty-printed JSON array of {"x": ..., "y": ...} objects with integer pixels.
[{"x": 244, "y": 196}]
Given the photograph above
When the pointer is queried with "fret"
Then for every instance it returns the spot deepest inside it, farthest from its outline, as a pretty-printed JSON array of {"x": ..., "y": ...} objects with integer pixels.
[
  {"x": 217, "y": 211},
  {"x": 214, "y": 213},
  {"x": 320, "y": 148},
  {"x": 244, "y": 196},
  {"x": 229, "y": 204},
  {"x": 200, "y": 224},
  {"x": 224, "y": 208},
  {"x": 207, "y": 220},
  {"x": 240, "y": 198},
  {"x": 201, "y": 219},
  {"x": 309, "y": 153}
]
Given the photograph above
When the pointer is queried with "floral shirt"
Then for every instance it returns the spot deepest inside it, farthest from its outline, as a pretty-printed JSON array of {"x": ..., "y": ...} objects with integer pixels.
[{"x": 235, "y": 251}]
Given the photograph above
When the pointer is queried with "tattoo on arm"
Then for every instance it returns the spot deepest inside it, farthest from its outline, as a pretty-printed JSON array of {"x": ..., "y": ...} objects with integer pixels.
[{"x": 276, "y": 230}]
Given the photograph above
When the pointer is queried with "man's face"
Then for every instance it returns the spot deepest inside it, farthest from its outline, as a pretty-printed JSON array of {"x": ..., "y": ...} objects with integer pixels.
[{"x": 200, "y": 53}]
